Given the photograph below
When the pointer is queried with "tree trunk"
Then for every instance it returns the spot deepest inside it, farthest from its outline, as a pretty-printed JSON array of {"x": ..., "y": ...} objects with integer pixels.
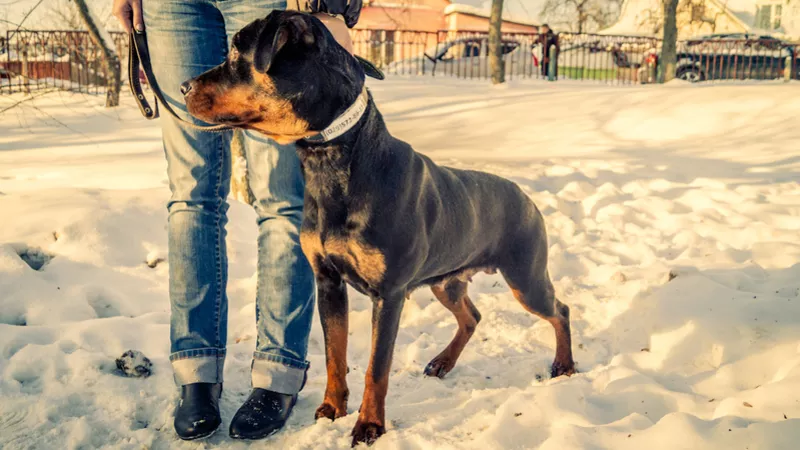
[
  {"x": 496, "y": 65},
  {"x": 668, "y": 59},
  {"x": 110, "y": 60}
]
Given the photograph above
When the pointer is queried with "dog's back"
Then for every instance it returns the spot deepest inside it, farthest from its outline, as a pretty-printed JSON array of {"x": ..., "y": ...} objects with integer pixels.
[{"x": 473, "y": 220}]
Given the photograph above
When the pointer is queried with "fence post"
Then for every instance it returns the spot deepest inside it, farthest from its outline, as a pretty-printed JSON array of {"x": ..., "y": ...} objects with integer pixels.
[
  {"x": 26, "y": 87},
  {"x": 551, "y": 64},
  {"x": 788, "y": 69}
]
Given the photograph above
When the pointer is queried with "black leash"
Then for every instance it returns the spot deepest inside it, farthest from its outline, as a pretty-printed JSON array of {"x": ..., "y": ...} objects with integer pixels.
[{"x": 139, "y": 54}]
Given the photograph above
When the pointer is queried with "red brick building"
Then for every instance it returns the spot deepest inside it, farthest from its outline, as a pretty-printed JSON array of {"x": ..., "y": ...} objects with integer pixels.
[{"x": 432, "y": 16}]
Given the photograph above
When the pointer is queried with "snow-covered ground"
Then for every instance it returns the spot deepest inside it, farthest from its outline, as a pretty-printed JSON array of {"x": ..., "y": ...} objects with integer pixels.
[{"x": 673, "y": 215}]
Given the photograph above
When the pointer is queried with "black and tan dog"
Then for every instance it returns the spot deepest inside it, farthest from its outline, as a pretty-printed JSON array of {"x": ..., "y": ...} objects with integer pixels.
[{"x": 378, "y": 215}]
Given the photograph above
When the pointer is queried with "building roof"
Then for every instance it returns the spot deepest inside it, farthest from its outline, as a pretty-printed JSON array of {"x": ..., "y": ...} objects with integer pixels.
[
  {"x": 744, "y": 10},
  {"x": 634, "y": 12},
  {"x": 526, "y": 12},
  {"x": 486, "y": 12}
]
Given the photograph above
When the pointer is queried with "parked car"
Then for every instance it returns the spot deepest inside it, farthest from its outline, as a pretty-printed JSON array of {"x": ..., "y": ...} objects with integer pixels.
[
  {"x": 466, "y": 57},
  {"x": 736, "y": 56}
]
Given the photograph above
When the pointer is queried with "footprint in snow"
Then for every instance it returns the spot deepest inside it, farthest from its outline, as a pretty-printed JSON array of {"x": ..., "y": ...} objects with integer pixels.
[{"x": 34, "y": 257}]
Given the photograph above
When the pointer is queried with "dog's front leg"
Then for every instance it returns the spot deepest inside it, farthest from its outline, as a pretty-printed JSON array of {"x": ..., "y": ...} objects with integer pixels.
[
  {"x": 371, "y": 422},
  {"x": 333, "y": 309}
]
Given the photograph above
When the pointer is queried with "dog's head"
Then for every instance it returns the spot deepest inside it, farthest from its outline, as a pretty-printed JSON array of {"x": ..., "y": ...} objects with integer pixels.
[{"x": 285, "y": 76}]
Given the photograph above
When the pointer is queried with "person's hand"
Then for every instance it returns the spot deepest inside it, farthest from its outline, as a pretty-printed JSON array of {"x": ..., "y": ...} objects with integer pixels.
[
  {"x": 129, "y": 14},
  {"x": 336, "y": 26}
]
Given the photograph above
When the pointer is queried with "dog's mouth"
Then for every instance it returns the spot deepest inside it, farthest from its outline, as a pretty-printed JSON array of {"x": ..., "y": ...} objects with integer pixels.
[
  {"x": 202, "y": 106},
  {"x": 236, "y": 120}
]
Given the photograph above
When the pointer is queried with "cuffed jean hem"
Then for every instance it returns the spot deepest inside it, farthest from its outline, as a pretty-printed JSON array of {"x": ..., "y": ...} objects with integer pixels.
[
  {"x": 202, "y": 365},
  {"x": 277, "y": 373}
]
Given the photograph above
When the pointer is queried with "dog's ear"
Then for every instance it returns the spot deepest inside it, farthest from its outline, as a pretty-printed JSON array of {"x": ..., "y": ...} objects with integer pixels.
[
  {"x": 301, "y": 30},
  {"x": 370, "y": 69},
  {"x": 270, "y": 42},
  {"x": 295, "y": 29}
]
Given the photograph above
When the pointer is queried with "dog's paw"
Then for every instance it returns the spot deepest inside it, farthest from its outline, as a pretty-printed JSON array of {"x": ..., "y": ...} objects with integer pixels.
[
  {"x": 328, "y": 411},
  {"x": 559, "y": 369},
  {"x": 439, "y": 366},
  {"x": 367, "y": 432}
]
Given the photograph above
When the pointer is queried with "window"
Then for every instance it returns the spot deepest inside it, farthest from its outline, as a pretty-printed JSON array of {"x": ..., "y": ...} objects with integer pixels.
[
  {"x": 472, "y": 49},
  {"x": 698, "y": 12},
  {"x": 768, "y": 17},
  {"x": 509, "y": 47},
  {"x": 763, "y": 16},
  {"x": 454, "y": 51}
]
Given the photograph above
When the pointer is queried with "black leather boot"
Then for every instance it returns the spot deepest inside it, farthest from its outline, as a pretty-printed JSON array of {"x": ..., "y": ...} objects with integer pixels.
[
  {"x": 262, "y": 414},
  {"x": 197, "y": 415}
]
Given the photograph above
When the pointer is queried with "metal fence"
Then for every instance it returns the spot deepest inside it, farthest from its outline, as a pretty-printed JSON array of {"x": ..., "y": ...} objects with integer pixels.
[
  {"x": 737, "y": 59},
  {"x": 576, "y": 56},
  {"x": 446, "y": 53},
  {"x": 31, "y": 60},
  {"x": 607, "y": 59},
  {"x": 68, "y": 60}
]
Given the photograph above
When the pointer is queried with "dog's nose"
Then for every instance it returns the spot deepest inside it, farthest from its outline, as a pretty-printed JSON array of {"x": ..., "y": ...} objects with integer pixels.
[{"x": 186, "y": 86}]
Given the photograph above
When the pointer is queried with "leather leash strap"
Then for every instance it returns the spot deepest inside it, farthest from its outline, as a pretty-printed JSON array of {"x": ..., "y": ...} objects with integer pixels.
[{"x": 139, "y": 54}]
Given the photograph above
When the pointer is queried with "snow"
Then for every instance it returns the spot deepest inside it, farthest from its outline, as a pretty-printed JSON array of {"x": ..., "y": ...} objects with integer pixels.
[
  {"x": 672, "y": 211},
  {"x": 744, "y": 10},
  {"x": 635, "y": 19}
]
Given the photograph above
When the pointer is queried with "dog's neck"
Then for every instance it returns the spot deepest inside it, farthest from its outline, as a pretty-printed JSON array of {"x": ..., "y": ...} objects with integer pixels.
[
  {"x": 369, "y": 122},
  {"x": 329, "y": 166},
  {"x": 344, "y": 121}
]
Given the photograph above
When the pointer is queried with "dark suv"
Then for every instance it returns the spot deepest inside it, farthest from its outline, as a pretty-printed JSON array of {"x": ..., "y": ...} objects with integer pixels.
[{"x": 736, "y": 56}]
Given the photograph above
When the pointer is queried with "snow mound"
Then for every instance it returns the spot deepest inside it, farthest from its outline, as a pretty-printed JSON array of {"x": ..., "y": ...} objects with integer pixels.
[{"x": 672, "y": 234}]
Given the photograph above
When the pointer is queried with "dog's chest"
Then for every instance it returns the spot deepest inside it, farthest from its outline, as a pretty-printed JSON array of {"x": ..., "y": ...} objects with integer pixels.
[
  {"x": 333, "y": 231},
  {"x": 359, "y": 263}
]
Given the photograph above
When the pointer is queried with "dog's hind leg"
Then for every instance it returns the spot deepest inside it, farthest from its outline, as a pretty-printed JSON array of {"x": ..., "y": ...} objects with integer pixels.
[
  {"x": 535, "y": 292},
  {"x": 453, "y": 296}
]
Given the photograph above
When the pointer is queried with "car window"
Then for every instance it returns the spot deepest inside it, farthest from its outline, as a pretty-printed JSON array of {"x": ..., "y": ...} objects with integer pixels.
[
  {"x": 509, "y": 47},
  {"x": 472, "y": 48},
  {"x": 454, "y": 51}
]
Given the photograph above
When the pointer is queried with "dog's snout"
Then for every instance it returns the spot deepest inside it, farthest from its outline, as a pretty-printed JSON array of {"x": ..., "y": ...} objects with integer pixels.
[{"x": 186, "y": 86}]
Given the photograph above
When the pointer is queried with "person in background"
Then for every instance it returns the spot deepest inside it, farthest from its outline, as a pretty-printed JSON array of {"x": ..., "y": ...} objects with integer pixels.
[
  {"x": 186, "y": 38},
  {"x": 547, "y": 39}
]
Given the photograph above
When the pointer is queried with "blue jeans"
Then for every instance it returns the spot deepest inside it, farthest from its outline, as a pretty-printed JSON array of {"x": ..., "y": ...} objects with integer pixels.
[{"x": 186, "y": 38}]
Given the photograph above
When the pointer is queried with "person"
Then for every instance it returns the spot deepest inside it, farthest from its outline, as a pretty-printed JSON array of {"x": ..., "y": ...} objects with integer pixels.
[
  {"x": 187, "y": 38},
  {"x": 547, "y": 39}
]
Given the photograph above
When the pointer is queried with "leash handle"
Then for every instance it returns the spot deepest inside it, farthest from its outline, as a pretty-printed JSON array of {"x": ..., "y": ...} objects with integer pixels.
[{"x": 139, "y": 55}]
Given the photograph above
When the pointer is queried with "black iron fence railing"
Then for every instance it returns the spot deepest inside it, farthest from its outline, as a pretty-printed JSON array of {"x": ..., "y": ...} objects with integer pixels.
[{"x": 32, "y": 60}]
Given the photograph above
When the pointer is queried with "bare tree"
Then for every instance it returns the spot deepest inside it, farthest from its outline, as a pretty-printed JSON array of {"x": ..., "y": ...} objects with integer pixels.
[
  {"x": 103, "y": 41},
  {"x": 669, "y": 48},
  {"x": 580, "y": 15},
  {"x": 496, "y": 66},
  {"x": 64, "y": 14}
]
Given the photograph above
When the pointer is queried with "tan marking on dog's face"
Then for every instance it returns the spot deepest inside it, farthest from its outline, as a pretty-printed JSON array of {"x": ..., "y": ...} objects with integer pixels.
[
  {"x": 278, "y": 118},
  {"x": 254, "y": 105}
]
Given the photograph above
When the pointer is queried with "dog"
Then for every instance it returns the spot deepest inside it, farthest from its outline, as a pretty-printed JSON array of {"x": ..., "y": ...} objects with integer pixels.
[{"x": 377, "y": 215}]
